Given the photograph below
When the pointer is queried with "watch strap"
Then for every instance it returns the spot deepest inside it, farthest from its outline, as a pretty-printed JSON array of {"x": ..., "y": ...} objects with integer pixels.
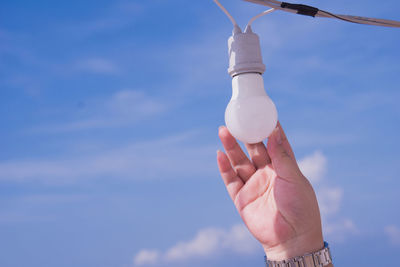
[{"x": 319, "y": 258}]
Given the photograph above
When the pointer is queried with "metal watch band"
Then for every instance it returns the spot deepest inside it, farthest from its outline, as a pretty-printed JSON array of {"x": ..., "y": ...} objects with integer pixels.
[{"x": 316, "y": 259}]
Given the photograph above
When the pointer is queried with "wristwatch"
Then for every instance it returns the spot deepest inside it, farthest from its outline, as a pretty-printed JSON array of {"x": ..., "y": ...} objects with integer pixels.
[{"x": 316, "y": 259}]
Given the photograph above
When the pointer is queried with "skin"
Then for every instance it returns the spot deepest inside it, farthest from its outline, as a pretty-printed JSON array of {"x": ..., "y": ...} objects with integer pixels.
[{"x": 276, "y": 202}]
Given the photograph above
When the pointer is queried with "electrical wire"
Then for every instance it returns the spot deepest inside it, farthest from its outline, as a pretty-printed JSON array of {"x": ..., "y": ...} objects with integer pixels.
[
  {"x": 226, "y": 12},
  {"x": 364, "y": 20},
  {"x": 259, "y": 15},
  {"x": 315, "y": 12}
]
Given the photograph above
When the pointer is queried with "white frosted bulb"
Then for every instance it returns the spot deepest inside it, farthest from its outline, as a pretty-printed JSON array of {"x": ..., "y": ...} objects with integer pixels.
[{"x": 251, "y": 115}]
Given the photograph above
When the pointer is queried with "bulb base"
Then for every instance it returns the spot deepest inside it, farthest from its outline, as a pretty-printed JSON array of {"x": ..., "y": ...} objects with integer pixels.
[{"x": 244, "y": 53}]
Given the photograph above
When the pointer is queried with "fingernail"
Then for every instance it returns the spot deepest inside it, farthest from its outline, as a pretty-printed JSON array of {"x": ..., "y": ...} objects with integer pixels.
[{"x": 278, "y": 135}]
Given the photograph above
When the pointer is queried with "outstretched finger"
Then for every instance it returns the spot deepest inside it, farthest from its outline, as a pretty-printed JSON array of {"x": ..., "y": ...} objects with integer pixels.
[
  {"x": 285, "y": 142},
  {"x": 238, "y": 159},
  {"x": 283, "y": 162},
  {"x": 231, "y": 180}
]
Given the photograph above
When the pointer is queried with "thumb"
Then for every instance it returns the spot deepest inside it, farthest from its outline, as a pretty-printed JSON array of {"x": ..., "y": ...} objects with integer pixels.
[{"x": 282, "y": 160}]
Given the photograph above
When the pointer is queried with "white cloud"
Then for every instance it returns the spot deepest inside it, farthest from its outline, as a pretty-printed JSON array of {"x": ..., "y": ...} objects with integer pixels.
[
  {"x": 329, "y": 197},
  {"x": 151, "y": 159},
  {"x": 339, "y": 229},
  {"x": 207, "y": 243},
  {"x": 306, "y": 139},
  {"x": 329, "y": 200},
  {"x": 240, "y": 241},
  {"x": 393, "y": 233},
  {"x": 118, "y": 15},
  {"x": 98, "y": 66},
  {"x": 30, "y": 208},
  {"x": 313, "y": 166},
  {"x": 130, "y": 102},
  {"x": 122, "y": 108},
  {"x": 145, "y": 257}
]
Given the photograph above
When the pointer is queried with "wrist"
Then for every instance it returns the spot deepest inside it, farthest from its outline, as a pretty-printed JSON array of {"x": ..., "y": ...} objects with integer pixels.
[
  {"x": 295, "y": 247},
  {"x": 319, "y": 258}
]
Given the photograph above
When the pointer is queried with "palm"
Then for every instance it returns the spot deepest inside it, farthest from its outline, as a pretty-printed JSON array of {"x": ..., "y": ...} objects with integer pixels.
[
  {"x": 266, "y": 210},
  {"x": 275, "y": 208}
]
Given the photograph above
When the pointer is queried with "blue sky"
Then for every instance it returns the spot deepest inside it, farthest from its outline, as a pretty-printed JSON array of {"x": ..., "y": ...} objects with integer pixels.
[{"x": 109, "y": 114}]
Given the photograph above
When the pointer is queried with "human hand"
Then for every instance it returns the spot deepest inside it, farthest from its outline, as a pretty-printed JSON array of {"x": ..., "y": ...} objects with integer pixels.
[{"x": 276, "y": 202}]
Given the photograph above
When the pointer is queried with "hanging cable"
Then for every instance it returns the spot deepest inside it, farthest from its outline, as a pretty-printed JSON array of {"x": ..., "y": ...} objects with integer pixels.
[
  {"x": 315, "y": 12},
  {"x": 226, "y": 12},
  {"x": 260, "y": 15}
]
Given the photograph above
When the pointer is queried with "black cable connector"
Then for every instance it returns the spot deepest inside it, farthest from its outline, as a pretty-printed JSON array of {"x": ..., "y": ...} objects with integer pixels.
[{"x": 301, "y": 9}]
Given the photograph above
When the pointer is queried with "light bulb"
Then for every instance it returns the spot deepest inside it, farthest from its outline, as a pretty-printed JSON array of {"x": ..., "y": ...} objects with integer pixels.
[{"x": 250, "y": 116}]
